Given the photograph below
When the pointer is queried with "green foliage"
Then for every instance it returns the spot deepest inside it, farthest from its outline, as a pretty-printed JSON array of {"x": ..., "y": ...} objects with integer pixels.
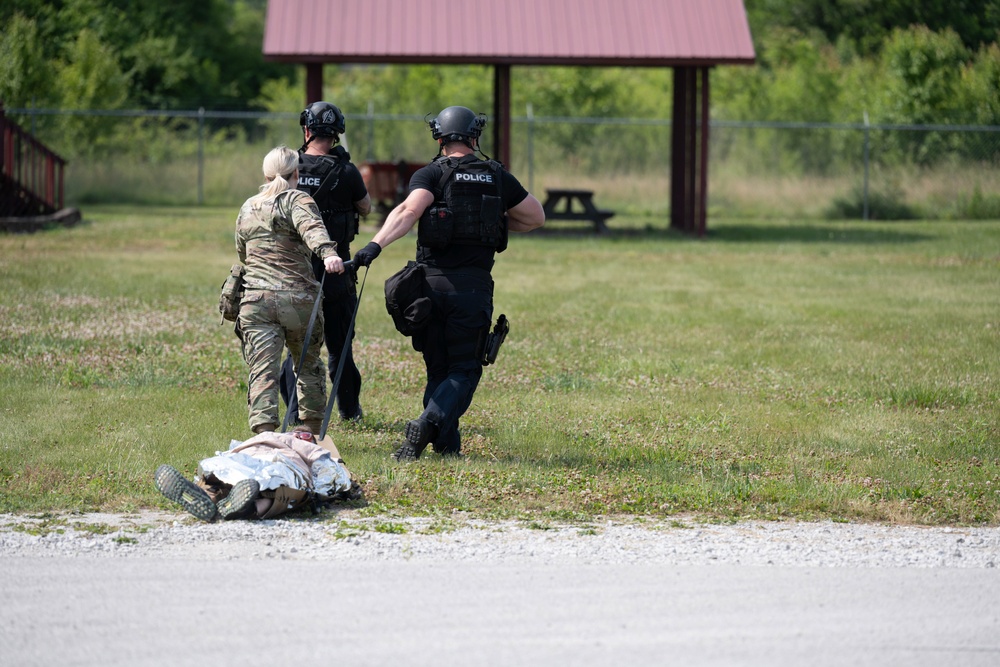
[
  {"x": 417, "y": 90},
  {"x": 887, "y": 203},
  {"x": 977, "y": 206},
  {"x": 921, "y": 81},
  {"x": 90, "y": 78},
  {"x": 818, "y": 62},
  {"x": 921, "y": 77},
  {"x": 25, "y": 74},
  {"x": 576, "y": 92},
  {"x": 809, "y": 79},
  {"x": 920, "y": 86},
  {"x": 180, "y": 54},
  {"x": 980, "y": 87},
  {"x": 797, "y": 79},
  {"x": 867, "y": 23}
]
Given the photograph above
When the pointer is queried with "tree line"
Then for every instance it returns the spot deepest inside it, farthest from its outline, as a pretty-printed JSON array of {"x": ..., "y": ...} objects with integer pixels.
[{"x": 828, "y": 61}]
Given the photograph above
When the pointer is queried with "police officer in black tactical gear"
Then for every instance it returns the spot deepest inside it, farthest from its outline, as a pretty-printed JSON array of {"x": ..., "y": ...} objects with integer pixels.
[
  {"x": 328, "y": 175},
  {"x": 466, "y": 205}
]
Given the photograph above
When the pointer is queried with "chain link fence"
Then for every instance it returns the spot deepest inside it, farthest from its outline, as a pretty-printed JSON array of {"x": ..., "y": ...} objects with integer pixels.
[{"x": 756, "y": 169}]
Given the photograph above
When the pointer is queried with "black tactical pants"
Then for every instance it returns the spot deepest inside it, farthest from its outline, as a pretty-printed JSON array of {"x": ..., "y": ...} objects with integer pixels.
[{"x": 462, "y": 303}]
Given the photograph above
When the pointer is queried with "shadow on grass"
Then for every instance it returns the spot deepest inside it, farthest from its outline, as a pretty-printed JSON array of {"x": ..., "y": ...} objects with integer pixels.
[
  {"x": 744, "y": 233},
  {"x": 812, "y": 233}
]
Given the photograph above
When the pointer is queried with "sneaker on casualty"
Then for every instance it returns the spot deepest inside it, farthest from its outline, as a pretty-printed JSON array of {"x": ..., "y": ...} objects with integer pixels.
[
  {"x": 174, "y": 486},
  {"x": 240, "y": 503}
]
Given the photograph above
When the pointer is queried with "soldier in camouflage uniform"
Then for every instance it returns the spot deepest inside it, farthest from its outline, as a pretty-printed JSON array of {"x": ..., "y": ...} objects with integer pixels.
[{"x": 277, "y": 231}]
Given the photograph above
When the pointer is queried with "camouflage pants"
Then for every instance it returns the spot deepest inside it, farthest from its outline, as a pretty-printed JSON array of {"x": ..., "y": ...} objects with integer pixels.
[{"x": 270, "y": 321}]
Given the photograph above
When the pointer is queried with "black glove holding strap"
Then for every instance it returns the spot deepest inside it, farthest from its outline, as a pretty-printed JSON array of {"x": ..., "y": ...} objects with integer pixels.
[{"x": 367, "y": 255}]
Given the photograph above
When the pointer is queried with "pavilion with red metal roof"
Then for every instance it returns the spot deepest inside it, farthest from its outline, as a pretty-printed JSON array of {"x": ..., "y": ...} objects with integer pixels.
[{"x": 689, "y": 36}]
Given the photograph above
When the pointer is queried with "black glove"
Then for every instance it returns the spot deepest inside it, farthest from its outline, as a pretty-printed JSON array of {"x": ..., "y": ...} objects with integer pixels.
[{"x": 367, "y": 255}]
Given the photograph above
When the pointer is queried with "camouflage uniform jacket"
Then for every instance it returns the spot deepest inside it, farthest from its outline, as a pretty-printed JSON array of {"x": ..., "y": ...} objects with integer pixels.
[{"x": 274, "y": 239}]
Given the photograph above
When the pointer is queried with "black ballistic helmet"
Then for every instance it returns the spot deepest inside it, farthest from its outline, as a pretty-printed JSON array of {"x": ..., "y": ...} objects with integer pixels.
[
  {"x": 457, "y": 124},
  {"x": 323, "y": 119}
]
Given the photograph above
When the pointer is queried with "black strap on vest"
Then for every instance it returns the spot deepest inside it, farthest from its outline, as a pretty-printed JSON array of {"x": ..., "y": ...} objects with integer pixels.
[
  {"x": 334, "y": 168},
  {"x": 448, "y": 167}
]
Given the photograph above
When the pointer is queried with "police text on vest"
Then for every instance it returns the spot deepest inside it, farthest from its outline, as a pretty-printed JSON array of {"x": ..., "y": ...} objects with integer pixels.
[{"x": 474, "y": 178}]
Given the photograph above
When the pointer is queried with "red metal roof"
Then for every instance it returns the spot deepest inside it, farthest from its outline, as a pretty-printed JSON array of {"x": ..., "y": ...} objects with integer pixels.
[{"x": 514, "y": 32}]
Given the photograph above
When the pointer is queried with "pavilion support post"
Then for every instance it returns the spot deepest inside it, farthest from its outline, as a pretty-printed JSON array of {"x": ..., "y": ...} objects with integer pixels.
[
  {"x": 689, "y": 150},
  {"x": 314, "y": 82},
  {"x": 701, "y": 219},
  {"x": 678, "y": 150},
  {"x": 501, "y": 113}
]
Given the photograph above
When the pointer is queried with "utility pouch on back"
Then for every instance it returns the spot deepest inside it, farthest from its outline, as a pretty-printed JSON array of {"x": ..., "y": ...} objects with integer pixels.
[
  {"x": 494, "y": 340},
  {"x": 232, "y": 293},
  {"x": 490, "y": 215}
]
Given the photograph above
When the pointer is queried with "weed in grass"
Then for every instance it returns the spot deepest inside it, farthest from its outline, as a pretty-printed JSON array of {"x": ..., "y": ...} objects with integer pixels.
[
  {"x": 43, "y": 527},
  {"x": 539, "y": 525},
  {"x": 94, "y": 528},
  {"x": 343, "y": 533},
  {"x": 438, "y": 527}
]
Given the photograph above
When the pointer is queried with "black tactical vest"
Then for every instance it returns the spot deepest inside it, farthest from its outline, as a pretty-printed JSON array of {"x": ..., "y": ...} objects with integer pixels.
[
  {"x": 319, "y": 176},
  {"x": 469, "y": 210}
]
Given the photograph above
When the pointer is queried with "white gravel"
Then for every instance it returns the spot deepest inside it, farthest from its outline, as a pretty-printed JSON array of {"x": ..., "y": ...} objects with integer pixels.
[{"x": 337, "y": 536}]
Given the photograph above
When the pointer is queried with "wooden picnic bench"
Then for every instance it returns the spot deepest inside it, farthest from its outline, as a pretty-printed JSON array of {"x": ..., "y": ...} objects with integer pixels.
[
  {"x": 387, "y": 182},
  {"x": 566, "y": 204}
]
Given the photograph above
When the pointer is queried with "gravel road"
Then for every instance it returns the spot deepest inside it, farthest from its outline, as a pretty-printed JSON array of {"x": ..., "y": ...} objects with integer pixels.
[
  {"x": 160, "y": 588},
  {"x": 346, "y": 537}
]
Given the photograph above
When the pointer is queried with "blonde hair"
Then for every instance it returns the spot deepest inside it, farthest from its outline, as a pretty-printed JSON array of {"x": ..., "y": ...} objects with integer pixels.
[{"x": 279, "y": 167}]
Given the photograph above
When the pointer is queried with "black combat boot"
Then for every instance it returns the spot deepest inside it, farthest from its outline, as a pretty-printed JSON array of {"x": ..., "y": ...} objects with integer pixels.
[{"x": 418, "y": 433}]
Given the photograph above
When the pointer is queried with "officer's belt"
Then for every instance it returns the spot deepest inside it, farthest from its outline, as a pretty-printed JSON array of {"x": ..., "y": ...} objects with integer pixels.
[{"x": 473, "y": 271}]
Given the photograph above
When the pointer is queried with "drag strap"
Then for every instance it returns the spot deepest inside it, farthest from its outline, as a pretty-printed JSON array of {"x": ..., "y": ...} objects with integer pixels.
[
  {"x": 305, "y": 346},
  {"x": 340, "y": 364}
]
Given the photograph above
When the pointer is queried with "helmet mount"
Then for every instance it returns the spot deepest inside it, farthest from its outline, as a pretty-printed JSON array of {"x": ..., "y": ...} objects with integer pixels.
[
  {"x": 322, "y": 119},
  {"x": 457, "y": 124}
]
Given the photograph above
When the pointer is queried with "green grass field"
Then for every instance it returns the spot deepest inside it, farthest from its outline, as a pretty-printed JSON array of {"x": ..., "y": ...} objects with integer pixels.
[{"x": 773, "y": 369}]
